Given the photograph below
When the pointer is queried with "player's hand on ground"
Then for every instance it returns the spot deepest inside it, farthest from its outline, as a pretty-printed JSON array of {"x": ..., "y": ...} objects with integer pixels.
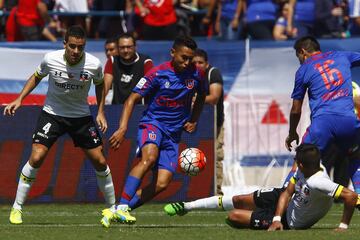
[
  {"x": 11, "y": 108},
  {"x": 101, "y": 121},
  {"x": 275, "y": 226},
  {"x": 290, "y": 138},
  {"x": 116, "y": 139},
  {"x": 190, "y": 126}
]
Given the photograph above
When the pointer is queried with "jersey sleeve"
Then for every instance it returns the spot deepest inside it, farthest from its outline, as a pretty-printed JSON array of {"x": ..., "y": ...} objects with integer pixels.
[
  {"x": 147, "y": 83},
  {"x": 326, "y": 186},
  {"x": 109, "y": 66},
  {"x": 203, "y": 87},
  {"x": 43, "y": 69},
  {"x": 215, "y": 76},
  {"x": 299, "y": 87},
  {"x": 98, "y": 75},
  {"x": 354, "y": 58},
  {"x": 148, "y": 64}
]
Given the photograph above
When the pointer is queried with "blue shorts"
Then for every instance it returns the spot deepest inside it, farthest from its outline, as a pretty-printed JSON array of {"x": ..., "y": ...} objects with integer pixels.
[
  {"x": 168, "y": 150},
  {"x": 324, "y": 130}
]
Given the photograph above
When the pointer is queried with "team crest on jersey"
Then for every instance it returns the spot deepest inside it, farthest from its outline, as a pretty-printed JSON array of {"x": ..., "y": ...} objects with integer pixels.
[
  {"x": 92, "y": 131},
  {"x": 152, "y": 136},
  {"x": 84, "y": 76},
  {"x": 189, "y": 83},
  {"x": 167, "y": 84}
]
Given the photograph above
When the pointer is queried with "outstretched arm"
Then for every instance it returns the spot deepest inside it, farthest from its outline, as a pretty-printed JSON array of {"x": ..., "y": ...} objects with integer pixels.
[
  {"x": 118, "y": 136},
  {"x": 350, "y": 198},
  {"x": 281, "y": 207},
  {"x": 31, "y": 83}
]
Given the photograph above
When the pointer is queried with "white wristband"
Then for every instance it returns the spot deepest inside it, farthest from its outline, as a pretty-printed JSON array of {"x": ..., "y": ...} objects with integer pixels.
[
  {"x": 343, "y": 225},
  {"x": 276, "y": 219}
]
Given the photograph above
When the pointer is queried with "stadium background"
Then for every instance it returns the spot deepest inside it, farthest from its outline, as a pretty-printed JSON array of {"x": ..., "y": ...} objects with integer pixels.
[{"x": 258, "y": 80}]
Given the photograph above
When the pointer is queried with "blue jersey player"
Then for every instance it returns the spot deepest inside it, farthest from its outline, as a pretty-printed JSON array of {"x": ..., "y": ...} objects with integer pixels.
[
  {"x": 326, "y": 77},
  {"x": 171, "y": 86}
]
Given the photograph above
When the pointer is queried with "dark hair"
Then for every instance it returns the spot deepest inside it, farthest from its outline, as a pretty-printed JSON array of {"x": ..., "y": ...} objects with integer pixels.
[
  {"x": 309, "y": 43},
  {"x": 127, "y": 35},
  {"x": 75, "y": 31},
  {"x": 308, "y": 155},
  {"x": 201, "y": 53},
  {"x": 184, "y": 41},
  {"x": 111, "y": 40}
]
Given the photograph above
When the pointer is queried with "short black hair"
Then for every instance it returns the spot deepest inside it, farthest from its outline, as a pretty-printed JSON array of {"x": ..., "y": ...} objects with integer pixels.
[
  {"x": 201, "y": 53},
  {"x": 127, "y": 35},
  {"x": 309, "y": 43},
  {"x": 184, "y": 41},
  {"x": 76, "y": 31},
  {"x": 111, "y": 40},
  {"x": 308, "y": 155}
]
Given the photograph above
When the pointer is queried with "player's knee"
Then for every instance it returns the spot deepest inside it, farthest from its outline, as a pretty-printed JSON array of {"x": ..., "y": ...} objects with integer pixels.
[
  {"x": 231, "y": 220},
  {"x": 38, "y": 154}
]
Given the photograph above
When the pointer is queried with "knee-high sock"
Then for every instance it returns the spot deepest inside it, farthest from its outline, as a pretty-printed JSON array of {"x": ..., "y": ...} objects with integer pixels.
[
  {"x": 354, "y": 168},
  {"x": 215, "y": 202},
  {"x": 27, "y": 177},
  {"x": 131, "y": 185},
  {"x": 135, "y": 202},
  {"x": 106, "y": 186}
]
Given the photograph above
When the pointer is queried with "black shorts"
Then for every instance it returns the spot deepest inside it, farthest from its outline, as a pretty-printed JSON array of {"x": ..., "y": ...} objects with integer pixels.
[
  {"x": 83, "y": 130},
  {"x": 266, "y": 202}
]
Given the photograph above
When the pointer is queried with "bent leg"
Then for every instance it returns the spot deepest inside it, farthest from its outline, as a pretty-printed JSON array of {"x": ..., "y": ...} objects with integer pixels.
[
  {"x": 150, "y": 153},
  {"x": 160, "y": 182},
  {"x": 239, "y": 218}
]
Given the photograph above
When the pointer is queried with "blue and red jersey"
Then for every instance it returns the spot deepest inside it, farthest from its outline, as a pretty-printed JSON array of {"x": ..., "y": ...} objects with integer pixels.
[
  {"x": 171, "y": 97},
  {"x": 327, "y": 78}
]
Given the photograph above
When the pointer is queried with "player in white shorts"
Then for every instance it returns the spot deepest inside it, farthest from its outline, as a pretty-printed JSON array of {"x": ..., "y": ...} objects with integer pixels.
[
  {"x": 71, "y": 72},
  {"x": 307, "y": 198}
]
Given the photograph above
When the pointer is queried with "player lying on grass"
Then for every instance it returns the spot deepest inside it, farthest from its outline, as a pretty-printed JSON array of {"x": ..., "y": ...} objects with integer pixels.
[{"x": 307, "y": 198}]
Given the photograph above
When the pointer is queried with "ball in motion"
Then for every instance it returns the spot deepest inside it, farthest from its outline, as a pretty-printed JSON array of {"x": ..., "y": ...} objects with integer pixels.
[{"x": 192, "y": 161}]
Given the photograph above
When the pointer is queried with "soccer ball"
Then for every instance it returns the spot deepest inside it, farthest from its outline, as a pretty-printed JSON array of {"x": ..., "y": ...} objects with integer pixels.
[{"x": 192, "y": 161}]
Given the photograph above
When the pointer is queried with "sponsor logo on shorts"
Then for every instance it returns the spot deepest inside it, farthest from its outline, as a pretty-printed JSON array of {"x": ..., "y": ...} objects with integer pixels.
[
  {"x": 93, "y": 134},
  {"x": 41, "y": 135}
]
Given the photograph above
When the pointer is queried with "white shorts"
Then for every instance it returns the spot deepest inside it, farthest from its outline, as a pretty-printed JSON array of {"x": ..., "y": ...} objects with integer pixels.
[{"x": 354, "y": 8}]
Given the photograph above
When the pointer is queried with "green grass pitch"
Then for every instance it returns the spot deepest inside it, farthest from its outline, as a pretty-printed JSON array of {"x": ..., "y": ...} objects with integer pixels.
[{"x": 81, "y": 221}]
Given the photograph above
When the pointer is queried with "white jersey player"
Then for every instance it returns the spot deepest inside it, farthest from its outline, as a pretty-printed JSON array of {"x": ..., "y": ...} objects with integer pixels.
[
  {"x": 307, "y": 198},
  {"x": 71, "y": 72}
]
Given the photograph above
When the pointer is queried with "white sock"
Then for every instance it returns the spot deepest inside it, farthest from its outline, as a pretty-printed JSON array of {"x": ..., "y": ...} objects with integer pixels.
[
  {"x": 227, "y": 202},
  {"x": 215, "y": 202},
  {"x": 27, "y": 177},
  {"x": 106, "y": 186}
]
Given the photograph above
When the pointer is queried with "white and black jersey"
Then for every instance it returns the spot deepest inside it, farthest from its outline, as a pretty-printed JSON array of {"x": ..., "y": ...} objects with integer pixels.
[
  {"x": 313, "y": 198},
  {"x": 69, "y": 84}
]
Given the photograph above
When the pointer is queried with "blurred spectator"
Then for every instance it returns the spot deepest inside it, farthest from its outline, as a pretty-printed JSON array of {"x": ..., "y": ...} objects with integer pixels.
[
  {"x": 279, "y": 32},
  {"x": 109, "y": 27},
  {"x": 301, "y": 16},
  {"x": 228, "y": 19},
  {"x": 73, "y": 6},
  {"x": 123, "y": 72},
  {"x": 354, "y": 14},
  {"x": 29, "y": 21},
  {"x": 111, "y": 48},
  {"x": 210, "y": 16},
  {"x": 159, "y": 18},
  {"x": 215, "y": 97},
  {"x": 329, "y": 19},
  {"x": 260, "y": 18}
]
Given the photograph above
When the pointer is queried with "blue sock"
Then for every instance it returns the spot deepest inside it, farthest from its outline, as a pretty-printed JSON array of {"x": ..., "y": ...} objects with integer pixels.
[
  {"x": 135, "y": 202},
  {"x": 131, "y": 185},
  {"x": 289, "y": 176},
  {"x": 354, "y": 168}
]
